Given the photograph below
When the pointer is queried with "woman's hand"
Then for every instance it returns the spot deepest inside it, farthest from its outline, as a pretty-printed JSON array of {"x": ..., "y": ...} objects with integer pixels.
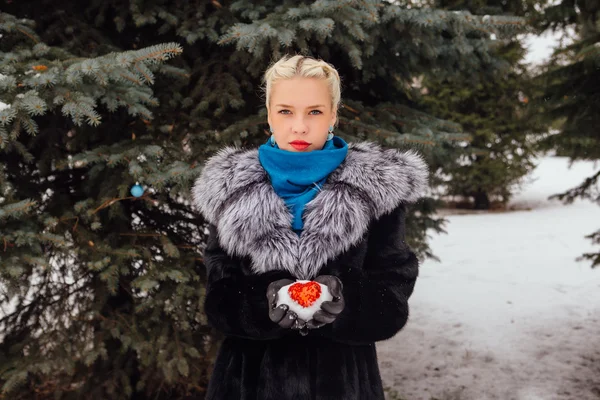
[
  {"x": 329, "y": 309},
  {"x": 282, "y": 315}
]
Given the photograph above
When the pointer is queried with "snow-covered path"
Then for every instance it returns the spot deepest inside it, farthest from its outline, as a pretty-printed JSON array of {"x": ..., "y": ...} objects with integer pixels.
[{"x": 508, "y": 313}]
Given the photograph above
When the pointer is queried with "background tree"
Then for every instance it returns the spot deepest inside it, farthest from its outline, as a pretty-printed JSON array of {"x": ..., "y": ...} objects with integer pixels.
[
  {"x": 570, "y": 96},
  {"x": 102, "y": 290},
  {"x": 492, "y": 109}
]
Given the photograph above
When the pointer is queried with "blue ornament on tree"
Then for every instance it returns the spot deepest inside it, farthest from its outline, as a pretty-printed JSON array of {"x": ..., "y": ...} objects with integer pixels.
[{"x": 137, "y": 190}]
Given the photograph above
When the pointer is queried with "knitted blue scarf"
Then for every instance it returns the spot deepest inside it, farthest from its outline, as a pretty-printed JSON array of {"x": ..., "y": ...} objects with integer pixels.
[{"x": 297, "y": 176}]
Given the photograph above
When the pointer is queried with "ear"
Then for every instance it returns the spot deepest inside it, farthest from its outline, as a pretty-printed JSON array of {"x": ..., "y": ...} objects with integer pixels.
[{"x": 333, "y": 118}]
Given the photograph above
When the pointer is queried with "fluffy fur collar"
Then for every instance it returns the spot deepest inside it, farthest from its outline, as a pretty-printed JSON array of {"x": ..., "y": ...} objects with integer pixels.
[{"x": 233, "y": 192}]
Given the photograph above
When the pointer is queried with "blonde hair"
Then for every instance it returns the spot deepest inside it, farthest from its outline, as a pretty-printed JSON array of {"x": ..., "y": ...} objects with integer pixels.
[{"x": 289, "y": 66}]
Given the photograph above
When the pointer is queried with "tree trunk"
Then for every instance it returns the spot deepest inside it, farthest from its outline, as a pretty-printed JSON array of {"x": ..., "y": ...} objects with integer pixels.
[{"x": 482, "y": 201}]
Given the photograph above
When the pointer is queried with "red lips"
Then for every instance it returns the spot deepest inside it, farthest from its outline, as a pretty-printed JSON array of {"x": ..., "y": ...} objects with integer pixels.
[{"x": 300, "y": 144}]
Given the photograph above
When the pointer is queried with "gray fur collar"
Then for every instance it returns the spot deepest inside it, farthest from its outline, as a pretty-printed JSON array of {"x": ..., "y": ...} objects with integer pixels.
[{"x": 234, "y": 193}]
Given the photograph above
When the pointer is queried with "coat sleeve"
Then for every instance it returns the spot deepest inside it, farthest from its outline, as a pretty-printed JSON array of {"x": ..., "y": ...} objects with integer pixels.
[
  {"x": 236, "y": 303},
  {"x": 376, "y": 297}
]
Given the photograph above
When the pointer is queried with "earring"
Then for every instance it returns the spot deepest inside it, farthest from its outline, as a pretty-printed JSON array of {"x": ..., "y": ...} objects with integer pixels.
[
  {"x": 272, "y": 138},
  {"x": 330, "y": 134}
]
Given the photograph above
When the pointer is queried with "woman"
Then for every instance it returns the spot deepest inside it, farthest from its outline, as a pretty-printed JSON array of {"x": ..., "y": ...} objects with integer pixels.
[{"x": 306, "y": 205}]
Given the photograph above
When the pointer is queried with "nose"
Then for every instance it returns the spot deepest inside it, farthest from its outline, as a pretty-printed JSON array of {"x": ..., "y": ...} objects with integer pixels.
[{"x": 299, "y": 127}]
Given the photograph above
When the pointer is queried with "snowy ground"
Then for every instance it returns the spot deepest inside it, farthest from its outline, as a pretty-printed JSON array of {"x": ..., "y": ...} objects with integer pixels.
[{"x": 508, "y": 313}]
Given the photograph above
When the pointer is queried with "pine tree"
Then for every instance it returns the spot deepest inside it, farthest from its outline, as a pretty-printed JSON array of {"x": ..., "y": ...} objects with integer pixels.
[
  {"x": 106, "y": 287},
  {"x": 66, "y": 269},
  {"x": 500, "y": 150},
  {"x": 492, "y": 109},
  {"x": 571, "y": 97}
]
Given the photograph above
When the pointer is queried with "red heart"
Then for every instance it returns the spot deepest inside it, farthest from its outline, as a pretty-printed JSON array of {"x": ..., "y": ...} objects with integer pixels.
[{"x": 305, "y": 294}]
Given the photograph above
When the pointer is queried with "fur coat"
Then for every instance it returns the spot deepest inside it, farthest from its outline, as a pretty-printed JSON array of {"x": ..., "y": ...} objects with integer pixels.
[{"x": 354, "y": 229}]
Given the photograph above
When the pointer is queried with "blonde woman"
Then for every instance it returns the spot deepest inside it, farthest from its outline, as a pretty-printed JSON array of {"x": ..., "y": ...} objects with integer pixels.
[{"x": 306, "y": 206}]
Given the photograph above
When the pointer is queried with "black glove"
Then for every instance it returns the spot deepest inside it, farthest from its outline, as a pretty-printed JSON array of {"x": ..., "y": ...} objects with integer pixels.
[
  {"x": 329, "y": 309},
  {"x": 282, "y": 315}
]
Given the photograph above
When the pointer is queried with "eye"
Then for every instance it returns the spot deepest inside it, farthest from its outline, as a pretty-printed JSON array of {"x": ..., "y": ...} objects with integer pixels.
[
  {"x": 282, "y": 111},
  {"x": 317, "y": 111}
]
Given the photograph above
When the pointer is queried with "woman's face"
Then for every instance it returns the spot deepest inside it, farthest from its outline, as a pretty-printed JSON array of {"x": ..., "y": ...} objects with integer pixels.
[{"x": 300, "y": 109}]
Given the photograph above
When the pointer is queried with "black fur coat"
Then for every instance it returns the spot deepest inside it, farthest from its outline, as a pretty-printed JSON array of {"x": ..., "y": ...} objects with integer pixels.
[{"x": 354, "y": 229}]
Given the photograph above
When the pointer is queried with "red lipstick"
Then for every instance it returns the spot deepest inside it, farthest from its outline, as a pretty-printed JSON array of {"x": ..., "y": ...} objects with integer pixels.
[{"x": 299, "y": 144}]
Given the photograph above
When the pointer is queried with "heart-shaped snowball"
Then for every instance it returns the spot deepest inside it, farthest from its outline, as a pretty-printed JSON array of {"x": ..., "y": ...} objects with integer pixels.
[{"x": 304, "y": 297}]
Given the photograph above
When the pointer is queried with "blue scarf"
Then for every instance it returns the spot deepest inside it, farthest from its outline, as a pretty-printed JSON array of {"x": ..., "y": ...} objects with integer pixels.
[{"x": 298, "y": 176}]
